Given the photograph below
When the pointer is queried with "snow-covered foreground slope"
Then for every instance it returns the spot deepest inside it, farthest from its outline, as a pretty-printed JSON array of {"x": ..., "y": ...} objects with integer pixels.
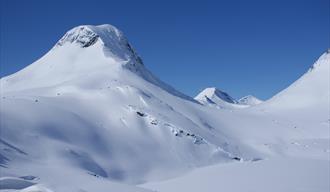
[
  {"x": 63, "y": 181},
  {"x": 274, "y": 175},
  {"x": 89, "y": 116}
]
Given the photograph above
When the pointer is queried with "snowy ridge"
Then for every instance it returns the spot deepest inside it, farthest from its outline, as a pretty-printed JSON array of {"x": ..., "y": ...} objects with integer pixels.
[
  {"x": 322, "y": 60},
  {"x": 311, "y": 89}
]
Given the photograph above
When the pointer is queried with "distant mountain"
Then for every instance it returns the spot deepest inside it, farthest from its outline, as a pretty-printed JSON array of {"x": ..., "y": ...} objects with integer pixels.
[
  {"x": 215, "y": 96},
  {"x": 249, "y": 100}
]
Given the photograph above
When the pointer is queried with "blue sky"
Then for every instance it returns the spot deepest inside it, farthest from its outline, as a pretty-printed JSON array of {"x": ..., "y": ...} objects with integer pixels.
[{"x": 243, "y": 47}]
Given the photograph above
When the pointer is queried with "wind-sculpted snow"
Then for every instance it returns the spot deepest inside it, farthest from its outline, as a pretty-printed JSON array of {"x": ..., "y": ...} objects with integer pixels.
[{"x": 89, "y": 114}]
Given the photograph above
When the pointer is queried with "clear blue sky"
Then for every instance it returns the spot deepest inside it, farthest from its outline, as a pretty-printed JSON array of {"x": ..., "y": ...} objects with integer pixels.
[{"x": 243, "y": 47}]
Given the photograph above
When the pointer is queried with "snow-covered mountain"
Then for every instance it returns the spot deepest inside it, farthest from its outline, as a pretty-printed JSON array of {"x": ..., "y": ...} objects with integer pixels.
[
  {"x": 213, "y": 93},
  {"x": 215, "y": 97},
  {"x": 89, "y": 105},
  {"x": 89, "y": 114},
  {"x": 249, "y": 100},
  {"x": 81, "y": 51}
]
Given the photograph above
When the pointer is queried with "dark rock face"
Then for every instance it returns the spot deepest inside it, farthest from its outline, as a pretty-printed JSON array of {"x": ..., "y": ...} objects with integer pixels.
[
  {"x": 82, "y": 36},
  {"x": 224, "y": 96}
]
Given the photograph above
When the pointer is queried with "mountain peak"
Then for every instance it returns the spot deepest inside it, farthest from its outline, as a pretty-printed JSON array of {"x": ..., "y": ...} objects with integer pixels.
[
  {"x": 112, "y": 40},
  {"x": 212, "y": 94},
  {"x": 87, "y": 35},
  {"x": 81, "y": 35},
  {"x": 87, "y": 52}
]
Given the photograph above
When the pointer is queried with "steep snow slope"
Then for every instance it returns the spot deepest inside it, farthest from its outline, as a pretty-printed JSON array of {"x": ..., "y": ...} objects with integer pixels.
[
  {"x": 307, "y": 100},
  {"x": 311, "y": 90},
  {"x": 249, "y": 100}
]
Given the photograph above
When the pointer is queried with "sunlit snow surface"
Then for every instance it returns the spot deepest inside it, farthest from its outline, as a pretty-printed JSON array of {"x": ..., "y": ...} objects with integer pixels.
[{"x": 89, "y": 116}]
